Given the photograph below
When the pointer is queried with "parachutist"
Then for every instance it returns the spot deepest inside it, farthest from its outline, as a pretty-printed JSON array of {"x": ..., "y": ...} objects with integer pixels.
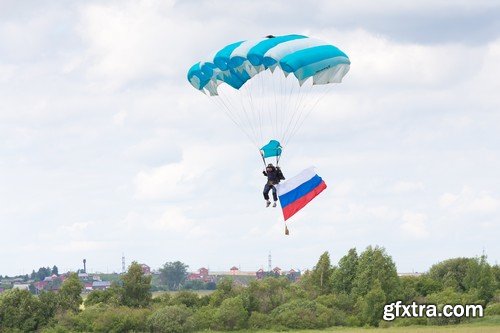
[{"x": 274, "y": 176}]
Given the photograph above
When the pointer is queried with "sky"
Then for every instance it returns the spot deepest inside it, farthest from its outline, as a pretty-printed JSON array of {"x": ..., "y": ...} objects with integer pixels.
[{"x": 106, "y": 149}]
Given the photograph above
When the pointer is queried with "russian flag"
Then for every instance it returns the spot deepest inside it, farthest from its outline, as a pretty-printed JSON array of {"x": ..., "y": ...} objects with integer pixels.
[{"x": 298, "y": 191}]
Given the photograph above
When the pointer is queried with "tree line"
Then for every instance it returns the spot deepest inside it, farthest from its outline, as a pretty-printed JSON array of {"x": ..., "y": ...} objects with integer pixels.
[{"x": 351, "y": 293}]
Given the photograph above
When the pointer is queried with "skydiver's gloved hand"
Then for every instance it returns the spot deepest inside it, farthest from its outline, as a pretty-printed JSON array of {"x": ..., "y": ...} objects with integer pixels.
[{"x": 264, "y": 173}]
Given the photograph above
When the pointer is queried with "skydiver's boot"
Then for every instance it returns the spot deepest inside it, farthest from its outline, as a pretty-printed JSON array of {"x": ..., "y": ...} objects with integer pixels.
[
  {"x": 274, "y": 204},
  {"x": 268, "y": 203}
]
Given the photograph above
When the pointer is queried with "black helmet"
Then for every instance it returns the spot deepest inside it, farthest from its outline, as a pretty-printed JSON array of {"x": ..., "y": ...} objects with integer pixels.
[{"x": 270, "y": 165}]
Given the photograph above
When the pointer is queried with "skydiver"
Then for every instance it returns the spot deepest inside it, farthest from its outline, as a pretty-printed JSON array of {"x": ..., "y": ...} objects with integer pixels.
[{"x": 274, "y": 176}]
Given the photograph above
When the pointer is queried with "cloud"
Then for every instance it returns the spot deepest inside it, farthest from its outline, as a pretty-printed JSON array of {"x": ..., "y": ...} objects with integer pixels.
[
  {"x": 407, "y": 186},
  {"x": 469, "y": 201},
  {"x": 414, "y": 225}
]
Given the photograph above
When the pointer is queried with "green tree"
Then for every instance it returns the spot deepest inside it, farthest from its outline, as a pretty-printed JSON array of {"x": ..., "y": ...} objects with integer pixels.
[
  {"x": 374, "y": 264},
  {"x": 187, "y": 298},
  {"x": 343, "y": 277},
  {"x": 136, "y": 287},
  {"x": 55, "y": 270},
  {"x": 49, "y": 302},
  {"x": 495, "y": 270},
  {"x": 486, "y": 284},
  {"x": 225, "y": 289},
  {"x": 231, "y": 315},
  {"x": 111, "y": 296},
  {"x": 304, "y": 314},
  {"x": 452, "y": 273},
  {"x": 69, "y": 296},
  {"x": 408, "y": 291},
  {"x": 173, "y": 274},
  {"x": 372, "y": 305},
  {"x": 426, "y": 285},
  {"x": 42, "y": 273},
  {"x": 265, "y": 295},
  {"x": 21, "y": 310},
  {"x": 321, "y": 274},
  {"x": 205, "y": 318},
  {"x": 171, "y": 319}
]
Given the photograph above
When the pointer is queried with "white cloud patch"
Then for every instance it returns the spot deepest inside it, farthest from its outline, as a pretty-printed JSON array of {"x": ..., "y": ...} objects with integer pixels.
[
  {"x": 414, "y": 225},
  {"x": 469, "y": 201},
  {"x": 407, "y": 186}
]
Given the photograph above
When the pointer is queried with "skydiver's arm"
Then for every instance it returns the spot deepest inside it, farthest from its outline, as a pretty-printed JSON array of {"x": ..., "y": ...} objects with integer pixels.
[{"x": 264, "y": 173}]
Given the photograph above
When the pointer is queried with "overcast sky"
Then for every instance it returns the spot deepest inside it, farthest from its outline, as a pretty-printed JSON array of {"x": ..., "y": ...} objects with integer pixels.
[{"x": 105, "y": 148}]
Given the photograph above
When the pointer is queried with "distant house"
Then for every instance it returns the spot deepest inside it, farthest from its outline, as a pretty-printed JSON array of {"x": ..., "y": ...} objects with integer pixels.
[
  {"x": 21, "y": 286},
  {"x": 203, "y": 272},
  {"x": 260, "y": 274},
  {"x": 234, "y": 270},
  {"x": 87, "y": 286},
  {"x": 277, "y": 271},
  {"x": 101, "y": 285},
  {"x": 293, "y": 275},
  {"x": 146, "y": 269},
  {"x": 201, "y": 275},
  {"x": 41, "y": 285}
]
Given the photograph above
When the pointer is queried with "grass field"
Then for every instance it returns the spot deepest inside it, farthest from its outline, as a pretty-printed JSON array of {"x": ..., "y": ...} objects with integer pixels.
[{"x": 483, "y": 325}]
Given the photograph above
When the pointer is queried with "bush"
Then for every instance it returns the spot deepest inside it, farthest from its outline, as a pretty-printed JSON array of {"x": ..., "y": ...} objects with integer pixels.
[
  {"x": 121, "y": 319},
  {"x": 492, "y": 309},
  {"x": 341, "y": 302},
  {"x": 231, "y": 314},
  {"x": 205, "y": 318},
  {"x": 303, "y": 314},
  {"x": 259, "y": 320},
  {"x": 188, "y": 298},
  {"x": 21, "y": 310},
  {"x": 171, "y": 319},
  {"x": 111, "y": 296},
  {"x": 105, "y": 318}
]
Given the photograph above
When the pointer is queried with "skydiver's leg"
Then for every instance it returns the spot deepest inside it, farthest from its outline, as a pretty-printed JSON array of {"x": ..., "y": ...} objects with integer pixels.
[
  {"x": 267, "y": 188},
  {"x": 275, "y": 196}
]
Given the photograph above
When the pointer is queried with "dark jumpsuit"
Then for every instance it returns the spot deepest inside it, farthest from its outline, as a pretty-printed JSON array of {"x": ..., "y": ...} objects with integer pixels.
[{"x": 274, "y": 176}]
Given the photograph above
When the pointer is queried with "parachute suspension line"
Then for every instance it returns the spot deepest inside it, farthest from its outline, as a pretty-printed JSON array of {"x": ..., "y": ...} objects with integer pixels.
[
  {"x": 220, "y": 103},
  {"x": 293, "y": 99},
  {"x": 230, "y": 106},
  {"x": 296, "y": 110},
  {"x": 223, "y": 105},
  {"x": 275, "y": 127},
  {"x": 289, "y": 109},
  {"x": 247, "y": 90},
  {"x": 259, "y": 108},
  {"x": 327, "y": 90},
  {"x": 263, "y": 159},
  {"x": 249, "y": 122},
  {"x": 282, "y": 104}
]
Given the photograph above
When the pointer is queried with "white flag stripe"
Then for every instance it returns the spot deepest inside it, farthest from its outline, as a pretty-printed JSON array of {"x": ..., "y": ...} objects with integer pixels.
[{"x": 296, "y": 181}]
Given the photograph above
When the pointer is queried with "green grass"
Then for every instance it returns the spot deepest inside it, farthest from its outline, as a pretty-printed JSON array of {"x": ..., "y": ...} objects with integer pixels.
[{"x": 481, "y": 325}]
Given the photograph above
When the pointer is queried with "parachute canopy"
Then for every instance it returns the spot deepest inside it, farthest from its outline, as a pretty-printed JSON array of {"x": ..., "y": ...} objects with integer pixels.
[
  {"x": 238, "y": 62},
  {"x": 273, "y": 148},
  {"x": 251, "y": 82}
]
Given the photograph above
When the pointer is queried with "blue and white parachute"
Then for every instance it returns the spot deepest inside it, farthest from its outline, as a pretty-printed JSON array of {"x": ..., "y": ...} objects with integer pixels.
[{"x": 250, "y": 80}]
